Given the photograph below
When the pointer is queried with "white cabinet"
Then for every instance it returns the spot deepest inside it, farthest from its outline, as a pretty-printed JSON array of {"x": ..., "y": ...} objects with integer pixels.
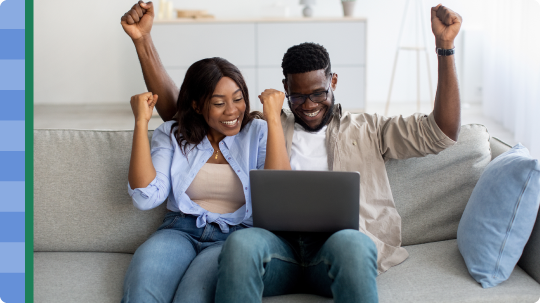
[{"x": 257, "y": 47}]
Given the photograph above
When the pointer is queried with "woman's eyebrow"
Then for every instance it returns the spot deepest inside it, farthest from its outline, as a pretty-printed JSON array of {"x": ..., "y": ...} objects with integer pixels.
[{"x": 223, "y": 96}]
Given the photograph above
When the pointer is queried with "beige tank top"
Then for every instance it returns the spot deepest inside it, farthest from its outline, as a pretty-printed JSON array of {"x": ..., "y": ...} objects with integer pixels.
[{"x": 217, "y": 189}]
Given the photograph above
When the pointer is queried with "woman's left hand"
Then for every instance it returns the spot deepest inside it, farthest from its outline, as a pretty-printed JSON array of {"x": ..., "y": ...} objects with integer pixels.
[
  {"x": 142, "y": 106},
  {"x": 272, "y": 101}
]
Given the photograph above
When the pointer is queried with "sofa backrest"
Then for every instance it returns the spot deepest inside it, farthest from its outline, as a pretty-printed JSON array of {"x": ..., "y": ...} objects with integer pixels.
[
  {"x": 431, "y": 192},
  {"x": 80, "y": 193},
  {"x": 81, "y": 201}
]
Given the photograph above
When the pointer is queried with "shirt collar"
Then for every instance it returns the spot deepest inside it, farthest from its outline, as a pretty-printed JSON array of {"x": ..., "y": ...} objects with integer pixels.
[{"x": 205, "y": 143}]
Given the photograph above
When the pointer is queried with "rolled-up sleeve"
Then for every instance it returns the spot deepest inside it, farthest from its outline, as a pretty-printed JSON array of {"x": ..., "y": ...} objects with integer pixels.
[
  {"x": 158, "y": 190},
  {"x": 413, "y": 136}
]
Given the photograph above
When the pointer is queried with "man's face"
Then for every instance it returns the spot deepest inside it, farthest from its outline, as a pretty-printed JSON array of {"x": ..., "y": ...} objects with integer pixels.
[{"x": 311, "y": 115}]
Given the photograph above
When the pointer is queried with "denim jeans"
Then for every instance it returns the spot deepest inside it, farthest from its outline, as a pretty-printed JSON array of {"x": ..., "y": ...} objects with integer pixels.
[
  {"x": 178, "y": 263},
  {"x": 255, "y": 262}
]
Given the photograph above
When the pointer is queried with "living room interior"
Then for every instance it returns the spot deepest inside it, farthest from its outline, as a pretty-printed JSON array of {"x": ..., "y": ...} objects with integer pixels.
[
  {"x": 86, "y": 70},
  {"x": 97, "y": 71}
]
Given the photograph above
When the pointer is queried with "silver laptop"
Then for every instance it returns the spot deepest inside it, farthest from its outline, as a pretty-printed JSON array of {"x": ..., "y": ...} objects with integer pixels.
[{"x": 309, "y": 201}]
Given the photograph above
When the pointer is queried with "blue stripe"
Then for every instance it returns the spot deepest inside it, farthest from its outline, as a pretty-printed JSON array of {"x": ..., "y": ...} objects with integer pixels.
[
  {"x": 11, "y": 135},
  {"x": 12, "y": 104},
  {"x": 12, "y": 287},
  {"x": 11, "y": 166},
  {"x": 12, "y": 15},
  {"x": 12, "y": 75},
  {"x": 12, "y": 257},
  {"x": 12, "y": 196},
  {"x": 12, "y": 44},
  {"x": 12, "y": 227}
]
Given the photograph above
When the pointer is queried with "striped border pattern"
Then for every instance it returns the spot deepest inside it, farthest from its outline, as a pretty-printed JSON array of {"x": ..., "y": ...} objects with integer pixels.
[{"x": 13, "y": 152}]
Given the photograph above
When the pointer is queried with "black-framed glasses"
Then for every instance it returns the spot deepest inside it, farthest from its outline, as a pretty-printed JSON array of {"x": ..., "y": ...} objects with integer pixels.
[{"x": 316, "y": 97}]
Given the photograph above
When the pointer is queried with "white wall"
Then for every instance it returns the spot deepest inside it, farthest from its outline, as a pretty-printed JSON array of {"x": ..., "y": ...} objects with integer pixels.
[{"x": 82, "y": 55}]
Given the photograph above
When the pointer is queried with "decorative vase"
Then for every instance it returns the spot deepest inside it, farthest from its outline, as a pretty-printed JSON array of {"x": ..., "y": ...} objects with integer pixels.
[
  {"x": 348, "y": 8},
  {"x": 307, "y": 11}
]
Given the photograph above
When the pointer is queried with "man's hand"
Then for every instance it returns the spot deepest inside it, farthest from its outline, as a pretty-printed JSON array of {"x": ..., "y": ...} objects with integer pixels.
[
  {"x": 142, "y": 106},
  {"x": 272, "y": 101},
  {"x": 137, "y": 22},
  {"x": 445, "y": 24}
]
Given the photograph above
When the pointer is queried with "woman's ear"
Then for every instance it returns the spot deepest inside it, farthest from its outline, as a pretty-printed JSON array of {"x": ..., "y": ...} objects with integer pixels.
[{"x": 194, "y": 105}]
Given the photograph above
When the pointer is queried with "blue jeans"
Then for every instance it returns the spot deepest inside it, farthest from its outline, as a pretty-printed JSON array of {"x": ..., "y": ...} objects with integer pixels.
[
  {"x": 178, "y": 263},
  {"x": 255, "y": 262}
]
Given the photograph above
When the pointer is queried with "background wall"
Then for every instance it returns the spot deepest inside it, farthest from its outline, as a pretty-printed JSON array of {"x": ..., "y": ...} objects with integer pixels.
[{"x": 82, "y": 55}]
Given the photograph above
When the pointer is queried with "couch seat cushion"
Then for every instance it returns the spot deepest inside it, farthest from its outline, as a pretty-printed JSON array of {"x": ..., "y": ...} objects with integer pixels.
[{"x": 434, "y": 272}]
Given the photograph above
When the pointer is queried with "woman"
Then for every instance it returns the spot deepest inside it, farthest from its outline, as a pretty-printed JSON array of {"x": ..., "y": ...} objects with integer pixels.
[{"x": 200, "y": 163}]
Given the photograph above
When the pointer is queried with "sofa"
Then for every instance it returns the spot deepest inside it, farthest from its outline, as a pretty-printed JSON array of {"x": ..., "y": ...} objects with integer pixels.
[{"x": 86, "y": 228}]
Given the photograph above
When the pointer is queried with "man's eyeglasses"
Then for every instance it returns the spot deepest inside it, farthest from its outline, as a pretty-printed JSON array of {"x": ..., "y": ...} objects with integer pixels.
[{"x": 316, "y": 97}]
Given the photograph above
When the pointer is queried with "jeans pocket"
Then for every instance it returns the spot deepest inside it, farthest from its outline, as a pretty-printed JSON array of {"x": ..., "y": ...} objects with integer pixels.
[{"x": 169, "y": 221}]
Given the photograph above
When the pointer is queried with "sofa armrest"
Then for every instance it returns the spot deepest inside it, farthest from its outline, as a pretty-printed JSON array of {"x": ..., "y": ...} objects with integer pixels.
[
  {"x": 498, "y": 147},
  {"x": 530, "y": 259}
]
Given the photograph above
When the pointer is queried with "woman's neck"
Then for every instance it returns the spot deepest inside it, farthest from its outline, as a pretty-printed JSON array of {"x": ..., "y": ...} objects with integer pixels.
[{"x": 215, "y": 137}]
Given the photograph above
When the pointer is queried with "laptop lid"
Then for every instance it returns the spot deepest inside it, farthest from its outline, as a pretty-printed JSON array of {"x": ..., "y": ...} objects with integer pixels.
[{"x": 310, "y": 201}]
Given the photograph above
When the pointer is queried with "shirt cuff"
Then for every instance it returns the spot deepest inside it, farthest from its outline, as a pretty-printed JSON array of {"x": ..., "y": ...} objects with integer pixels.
[{"x": 144, "y": 192}]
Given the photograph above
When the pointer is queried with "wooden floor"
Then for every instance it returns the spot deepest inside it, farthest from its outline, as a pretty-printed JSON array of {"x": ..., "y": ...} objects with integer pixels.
[{"x": 120, "y": 117}]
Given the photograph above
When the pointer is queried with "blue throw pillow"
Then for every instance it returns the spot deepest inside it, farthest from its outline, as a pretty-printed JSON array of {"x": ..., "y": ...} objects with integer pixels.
[{"x": 500, "y": 215}]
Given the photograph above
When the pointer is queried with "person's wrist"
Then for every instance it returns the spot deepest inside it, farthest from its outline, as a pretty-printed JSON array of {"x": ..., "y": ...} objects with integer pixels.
[
  {"x": 141, "y": 122},
  {"x": 272, "y": 118},
  {"x": 444, "y": 44},
  {"x": 142, "y": 39}
]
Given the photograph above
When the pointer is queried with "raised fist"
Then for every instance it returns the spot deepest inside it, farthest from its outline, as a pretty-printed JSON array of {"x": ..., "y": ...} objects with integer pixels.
[
  {"x": 137, "y": 22},
  {"x": 142, "y": 106},
  {"x": 272, "y": 101},
  {"x": 445, "y": 24}
]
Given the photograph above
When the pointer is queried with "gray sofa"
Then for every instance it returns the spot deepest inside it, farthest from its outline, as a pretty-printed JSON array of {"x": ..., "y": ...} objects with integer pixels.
[{"x": 86, "y": 228}]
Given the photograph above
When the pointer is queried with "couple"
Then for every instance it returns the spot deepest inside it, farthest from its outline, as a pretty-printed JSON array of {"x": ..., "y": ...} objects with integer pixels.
[{"x": 200, "y": 159}]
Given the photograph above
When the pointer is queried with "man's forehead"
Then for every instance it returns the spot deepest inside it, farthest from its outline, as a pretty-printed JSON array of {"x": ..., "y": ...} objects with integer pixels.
[{"x": 307, "y": 81}]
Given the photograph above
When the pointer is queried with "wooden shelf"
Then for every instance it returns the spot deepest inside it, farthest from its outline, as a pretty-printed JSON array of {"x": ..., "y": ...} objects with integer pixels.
[{"x": 261, "y": 20}]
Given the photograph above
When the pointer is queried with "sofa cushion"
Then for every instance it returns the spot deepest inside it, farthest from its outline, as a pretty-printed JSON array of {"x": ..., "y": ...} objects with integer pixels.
[
  {"x": 434, "y": 272},
  {"x": 500, "y": 216},
  {"x": 431, "y": 192},
  {"x": 80, "y": 193},
  {"x": 79, "y": 276}
]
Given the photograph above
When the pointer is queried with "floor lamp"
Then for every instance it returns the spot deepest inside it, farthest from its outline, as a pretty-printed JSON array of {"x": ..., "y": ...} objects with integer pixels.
[{"x": 418, "y": 48}]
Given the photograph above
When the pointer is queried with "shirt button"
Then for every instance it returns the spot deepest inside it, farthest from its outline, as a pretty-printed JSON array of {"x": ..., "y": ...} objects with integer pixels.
[
  {"x": 229, "y": 158},
  {"x": 246, "y": 188},
  {"x": 354, "y": 143},
  {"x": 239, "y": 171}
]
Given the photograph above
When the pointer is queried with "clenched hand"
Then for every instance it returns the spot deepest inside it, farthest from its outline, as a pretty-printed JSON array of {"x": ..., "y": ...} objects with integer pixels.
[
  {"x": 445, "y": 24},
  {"x": 137, "y": 22}
]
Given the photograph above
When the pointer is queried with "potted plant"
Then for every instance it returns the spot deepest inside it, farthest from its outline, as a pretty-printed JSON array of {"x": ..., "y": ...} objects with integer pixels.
[{"x": 348, "y": 7}]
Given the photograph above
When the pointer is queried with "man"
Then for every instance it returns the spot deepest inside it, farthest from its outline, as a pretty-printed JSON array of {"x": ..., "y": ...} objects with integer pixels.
[{"x": 255, "y": 262}]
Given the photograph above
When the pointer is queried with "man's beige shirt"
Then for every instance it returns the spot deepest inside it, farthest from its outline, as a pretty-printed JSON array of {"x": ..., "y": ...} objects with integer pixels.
[{"x": 363, "y": 143}]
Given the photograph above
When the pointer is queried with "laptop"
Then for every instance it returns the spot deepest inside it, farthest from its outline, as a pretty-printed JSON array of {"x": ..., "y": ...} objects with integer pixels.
[{"x": 307, "y": 201}]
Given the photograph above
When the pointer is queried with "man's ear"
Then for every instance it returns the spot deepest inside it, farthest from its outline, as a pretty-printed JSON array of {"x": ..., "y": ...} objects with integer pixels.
[
  {"x": 194, "y": 105},
  {"x": 285, "y": 86},
  {"x": 334, "y": 81}
]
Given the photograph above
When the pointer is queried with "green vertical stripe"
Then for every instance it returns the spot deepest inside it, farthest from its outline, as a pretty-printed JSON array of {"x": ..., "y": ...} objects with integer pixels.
[{"x": 29, "y": 150}]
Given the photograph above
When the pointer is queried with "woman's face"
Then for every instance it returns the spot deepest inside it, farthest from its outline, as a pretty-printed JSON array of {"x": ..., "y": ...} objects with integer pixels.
[{"x": 226, "y": 108}]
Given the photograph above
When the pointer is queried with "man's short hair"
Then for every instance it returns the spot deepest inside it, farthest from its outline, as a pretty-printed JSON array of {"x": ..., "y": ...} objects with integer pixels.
[{"x": 306, "y": 57}]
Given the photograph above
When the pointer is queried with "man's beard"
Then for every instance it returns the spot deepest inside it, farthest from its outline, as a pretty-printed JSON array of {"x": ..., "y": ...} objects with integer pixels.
[{"x": 324, "y": 121}]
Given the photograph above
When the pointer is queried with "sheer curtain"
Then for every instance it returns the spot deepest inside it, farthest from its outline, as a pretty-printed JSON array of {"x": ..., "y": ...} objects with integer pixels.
[{"x": 511, "y": 92}]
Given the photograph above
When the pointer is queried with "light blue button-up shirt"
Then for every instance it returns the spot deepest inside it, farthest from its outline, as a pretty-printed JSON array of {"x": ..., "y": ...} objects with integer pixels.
[{"x": 175, "y": 172}]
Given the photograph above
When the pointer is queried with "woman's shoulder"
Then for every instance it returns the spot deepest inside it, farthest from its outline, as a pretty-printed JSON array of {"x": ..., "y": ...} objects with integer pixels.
[
  {"x": 255, "y": 125},
  {"x": 165, "y": 127}
]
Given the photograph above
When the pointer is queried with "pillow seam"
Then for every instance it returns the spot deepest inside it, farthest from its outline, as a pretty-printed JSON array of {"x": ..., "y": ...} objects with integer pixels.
[{"x": 510, "y": 227}]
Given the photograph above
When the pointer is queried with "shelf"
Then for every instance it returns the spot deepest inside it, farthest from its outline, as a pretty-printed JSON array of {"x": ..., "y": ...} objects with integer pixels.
[{"x": 261, "y": 20}]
